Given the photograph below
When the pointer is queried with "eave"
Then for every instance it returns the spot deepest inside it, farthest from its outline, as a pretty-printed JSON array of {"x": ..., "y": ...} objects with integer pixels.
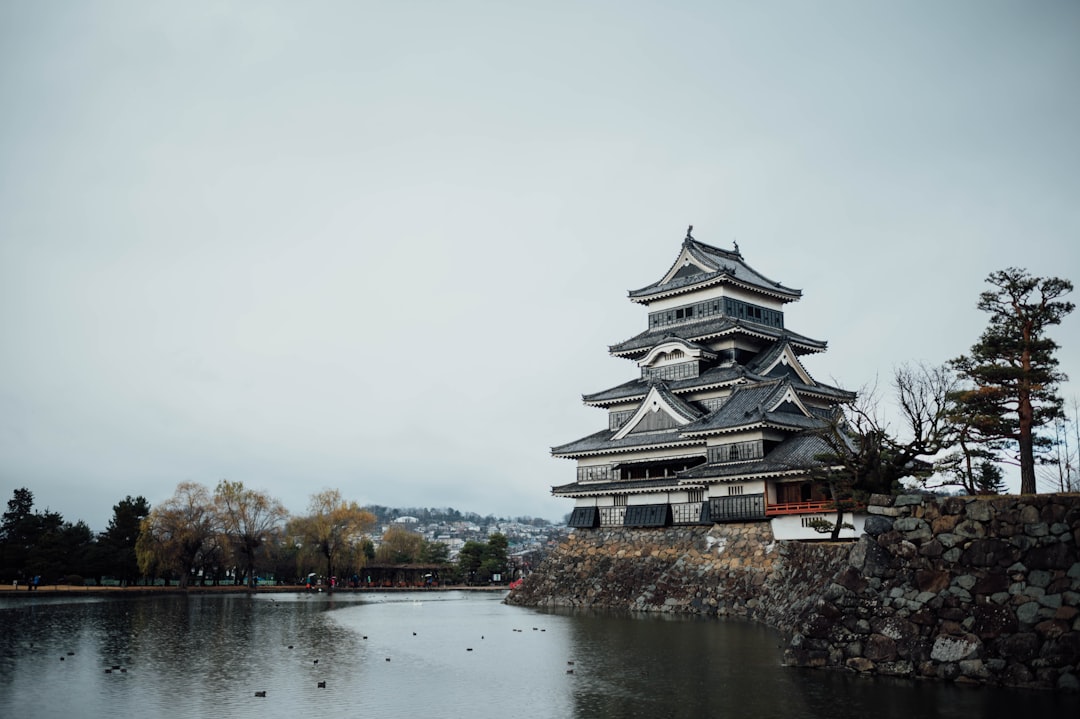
[
  {"x": 717, "y": 279},
  {"x": 602, "y": 451}
]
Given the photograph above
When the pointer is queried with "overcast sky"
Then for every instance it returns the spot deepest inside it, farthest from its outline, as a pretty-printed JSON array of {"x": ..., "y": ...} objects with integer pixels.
[{"x": 383, "y": 247}]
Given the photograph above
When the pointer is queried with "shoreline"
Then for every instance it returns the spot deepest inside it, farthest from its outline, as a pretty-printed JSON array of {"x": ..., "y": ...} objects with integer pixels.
[{"x": 10, "y": 592}]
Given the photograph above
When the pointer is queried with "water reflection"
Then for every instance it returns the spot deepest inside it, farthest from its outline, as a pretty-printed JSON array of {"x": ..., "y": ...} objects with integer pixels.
[{"x": 447, "y": 654}]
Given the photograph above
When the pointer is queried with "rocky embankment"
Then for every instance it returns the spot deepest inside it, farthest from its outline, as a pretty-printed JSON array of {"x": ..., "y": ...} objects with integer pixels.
[
  {"x": 726, "y": 569},
  {"x": 979, "y": 590}
]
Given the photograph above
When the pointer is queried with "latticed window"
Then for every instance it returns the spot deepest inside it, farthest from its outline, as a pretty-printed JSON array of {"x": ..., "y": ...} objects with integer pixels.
[
  {"x": 726, "y": 306},
  {"x": 595, "y": 473},
  {"x": 683, "y": 370},
  {"x": 713, "y": 404},
  {"x": 617, "y": 419},
  {"x": 612, "y": 516},
  {"x": 737, "y": 451}
]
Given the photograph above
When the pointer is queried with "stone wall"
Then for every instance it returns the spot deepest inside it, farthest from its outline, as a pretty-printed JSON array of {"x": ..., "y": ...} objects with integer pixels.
[
  {"x": 981, "y": 590},
  {"x": 727, "y": 569}
]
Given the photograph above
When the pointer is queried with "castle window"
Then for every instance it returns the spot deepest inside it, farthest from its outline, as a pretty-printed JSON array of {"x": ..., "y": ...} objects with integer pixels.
[
  {"x": 737, "y": 451},
  {"x": 729, "y": 307},
  {"x": 595, "y": 473},
  {"x": 682, "y": 370}
]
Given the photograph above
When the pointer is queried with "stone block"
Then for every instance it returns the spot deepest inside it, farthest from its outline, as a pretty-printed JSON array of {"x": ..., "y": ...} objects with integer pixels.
[
  {"x": 993, "y": 582},
  {"x": 932, "y": 581},
  {"x": 1036, "y": 529},
  {"x": 1051, "y": 628},
  {"x": 991, "y": 621},
  {"x": 860, "y": 664},
  {"x": 973, "y": 668},
  {"x": 931, "y": 549},
  {"x": 970, "y": 529},
  {"x": 989, "y": 553},
  {"x": 888, "y": 511},
  {"x": 980, "y": 511},
  {"x": 953, "y": 505},
  {"x": 896, "y": 669},
  {"x": 1029, "y": 514},
  {"x": 1052, "y": 556},
  {"x": 1050, "y": 600},
  {"x": 875, "y": 525},
  {"x": 945, "y": 523},
  {"x": 913, "y": 528}
]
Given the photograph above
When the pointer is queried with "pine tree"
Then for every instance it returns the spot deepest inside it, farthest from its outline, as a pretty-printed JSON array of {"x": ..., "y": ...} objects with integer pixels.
[
  {"x": 989, "y": 479},
  {"x": 1012, "y": 368}
]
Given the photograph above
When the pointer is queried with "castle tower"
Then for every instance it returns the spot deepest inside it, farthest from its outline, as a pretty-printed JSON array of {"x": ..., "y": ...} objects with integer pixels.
[{"x": 722, "y": 423}]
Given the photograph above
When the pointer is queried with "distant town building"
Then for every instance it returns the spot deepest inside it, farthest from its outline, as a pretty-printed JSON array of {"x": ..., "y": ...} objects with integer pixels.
[{"x": 722, "y": 423}]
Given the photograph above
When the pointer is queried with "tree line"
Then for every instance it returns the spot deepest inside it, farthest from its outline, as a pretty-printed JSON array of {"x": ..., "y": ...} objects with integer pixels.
[{"x": 232, "y": 533}]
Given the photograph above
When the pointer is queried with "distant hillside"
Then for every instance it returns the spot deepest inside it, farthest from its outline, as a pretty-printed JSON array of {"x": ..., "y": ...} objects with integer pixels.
[{"x": 432, "y": 515}]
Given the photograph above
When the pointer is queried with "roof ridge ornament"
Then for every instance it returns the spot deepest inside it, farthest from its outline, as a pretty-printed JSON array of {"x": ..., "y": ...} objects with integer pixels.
[
  {"x": 736, "y": 243},
  {"x": 689, "y": 237}
]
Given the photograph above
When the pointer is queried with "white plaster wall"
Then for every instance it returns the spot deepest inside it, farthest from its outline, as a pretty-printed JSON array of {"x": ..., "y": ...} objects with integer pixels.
[
  {"x": 721, "y": 489},
  {"x": 791, "y": 526}
]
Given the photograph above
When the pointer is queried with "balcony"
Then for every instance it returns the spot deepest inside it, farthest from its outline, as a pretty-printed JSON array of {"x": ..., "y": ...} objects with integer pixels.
[{"x": 814, "y": 507}]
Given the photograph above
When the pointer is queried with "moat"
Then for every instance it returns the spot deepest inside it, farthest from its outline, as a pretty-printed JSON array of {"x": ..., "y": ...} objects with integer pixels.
[{"x": 453, "y": 654}]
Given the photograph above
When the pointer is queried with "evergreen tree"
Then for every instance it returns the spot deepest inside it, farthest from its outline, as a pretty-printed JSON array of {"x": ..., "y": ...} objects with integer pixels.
[
  {"x": 117, "y": 542},
  {"x": 989, "y": 479},
  {"x": 1012, "y": 368}
]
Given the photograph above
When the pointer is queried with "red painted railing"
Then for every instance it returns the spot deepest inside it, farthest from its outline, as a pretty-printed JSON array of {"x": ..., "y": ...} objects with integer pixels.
[{"x": 825, "y": 505}]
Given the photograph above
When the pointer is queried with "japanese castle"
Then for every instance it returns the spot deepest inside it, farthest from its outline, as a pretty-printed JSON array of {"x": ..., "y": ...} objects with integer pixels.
[{"x": 723, "y": 423}]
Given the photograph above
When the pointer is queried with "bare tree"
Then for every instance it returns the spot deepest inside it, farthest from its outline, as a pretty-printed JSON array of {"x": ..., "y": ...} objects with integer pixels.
[
  {"x": 864, "y": 456},
  {"x": 249, "y": 519},
  {"x": 177, "y": 533},
  {"x": 1060, "y": 472}
]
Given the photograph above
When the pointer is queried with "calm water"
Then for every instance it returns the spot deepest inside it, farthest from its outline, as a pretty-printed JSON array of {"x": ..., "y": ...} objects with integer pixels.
[{"x": 452, "y": 654}]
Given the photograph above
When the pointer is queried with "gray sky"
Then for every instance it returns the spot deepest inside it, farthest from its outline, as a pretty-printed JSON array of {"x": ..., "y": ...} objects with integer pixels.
[{"x": 383, "y": 247}]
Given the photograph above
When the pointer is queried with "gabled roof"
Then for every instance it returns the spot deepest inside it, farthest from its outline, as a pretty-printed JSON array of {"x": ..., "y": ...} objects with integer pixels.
[
  {"x": 699, "y": 264},
  {"x": 660, "y": 399},
  {"x": 773, "y": 402},
  {"x": 780, "y": 359},
  {"x": 711, "y": 328},
  {"x": 692, "y": 350}
]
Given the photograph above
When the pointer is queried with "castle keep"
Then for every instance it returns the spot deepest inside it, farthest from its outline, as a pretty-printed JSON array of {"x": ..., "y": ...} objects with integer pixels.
[{"x": 722, "y": 423}]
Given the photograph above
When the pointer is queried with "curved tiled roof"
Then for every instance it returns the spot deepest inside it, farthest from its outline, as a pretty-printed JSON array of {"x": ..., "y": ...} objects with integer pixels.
[
  {"x": 626, "y": 485},
  {"x": 726, "y": 267},
  {"x": 713, "y": 327},
  {"x": 639, "y": 387},
  {"x": 801, "y": 452},
  {"x": 602, "y": 442}
]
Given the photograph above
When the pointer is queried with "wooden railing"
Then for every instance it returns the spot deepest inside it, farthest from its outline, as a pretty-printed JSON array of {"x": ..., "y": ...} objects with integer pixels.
[{"x": 824, "y": 505}]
